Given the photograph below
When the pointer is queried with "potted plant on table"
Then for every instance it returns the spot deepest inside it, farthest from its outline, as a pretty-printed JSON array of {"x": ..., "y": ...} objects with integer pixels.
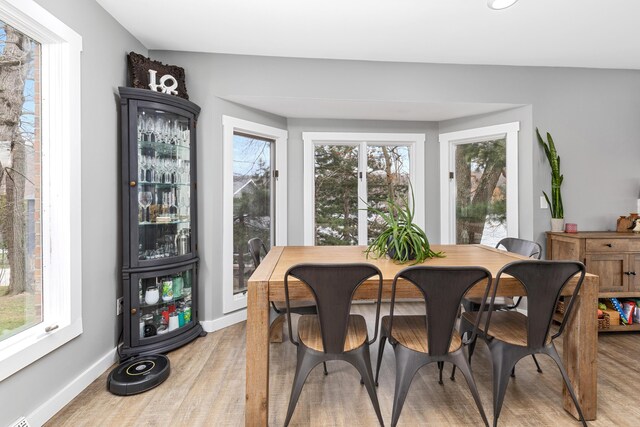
[
  {"x": 401, "y": 239},
  {"x": 555, "y": 202}
]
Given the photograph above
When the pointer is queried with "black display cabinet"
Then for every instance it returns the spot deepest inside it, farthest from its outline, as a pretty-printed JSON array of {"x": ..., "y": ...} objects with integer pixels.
[{"x": 159, "y": 224}]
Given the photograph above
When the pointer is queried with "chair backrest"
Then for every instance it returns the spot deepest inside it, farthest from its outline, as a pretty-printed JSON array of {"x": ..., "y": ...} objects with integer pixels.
[
  {"x": 443, "y": 289},
  {"x": 543, "y": 282},
  {"x": 521, "y": 246},
  {"x": 333, "y": 286},
  {"x": 257, "y": 249}
]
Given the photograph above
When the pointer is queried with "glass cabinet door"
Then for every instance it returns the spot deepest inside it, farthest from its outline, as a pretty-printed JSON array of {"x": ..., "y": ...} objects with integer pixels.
[
  {"x": 164, "y": 304},
  {"x": 164, "y": 171}
]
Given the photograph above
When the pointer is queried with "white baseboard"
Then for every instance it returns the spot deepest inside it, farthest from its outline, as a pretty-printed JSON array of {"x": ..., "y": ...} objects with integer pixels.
[
  {"x": 71, "y": 390},
  {"x": 224, "y": 321}
]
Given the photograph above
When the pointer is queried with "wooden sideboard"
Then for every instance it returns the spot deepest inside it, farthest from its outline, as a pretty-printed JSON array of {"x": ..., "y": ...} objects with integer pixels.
[{"x": 615, "y": 257}]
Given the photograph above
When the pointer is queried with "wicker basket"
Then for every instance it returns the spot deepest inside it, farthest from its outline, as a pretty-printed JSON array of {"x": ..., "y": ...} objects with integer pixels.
[{"x": 605, "y": 322}]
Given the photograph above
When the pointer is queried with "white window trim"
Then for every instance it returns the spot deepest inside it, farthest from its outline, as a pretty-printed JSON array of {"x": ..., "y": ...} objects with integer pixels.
[
  {"x": 231, "y": 302},
  {"x": 61, "y": 205},
  {"x": 415, "y": 142},
  {"x": 448, "y": 143}
]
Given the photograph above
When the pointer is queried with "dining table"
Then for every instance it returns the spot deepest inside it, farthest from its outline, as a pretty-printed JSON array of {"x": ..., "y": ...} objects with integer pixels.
[{"x": 266, "y": 285}]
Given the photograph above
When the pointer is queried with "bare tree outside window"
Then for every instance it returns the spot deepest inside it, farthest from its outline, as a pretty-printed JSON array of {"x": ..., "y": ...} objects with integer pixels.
[
  {"x": 20, "y": 186},
  {"x": 252, "y": 202}
]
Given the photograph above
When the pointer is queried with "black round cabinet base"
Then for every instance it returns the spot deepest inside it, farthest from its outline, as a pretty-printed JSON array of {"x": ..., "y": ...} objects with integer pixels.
[{"x": 138, "y": 375}]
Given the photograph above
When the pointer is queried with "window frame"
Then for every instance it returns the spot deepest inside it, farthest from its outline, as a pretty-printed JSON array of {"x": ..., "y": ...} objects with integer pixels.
[
  {"x": 60, "y": 192},
  {"x": 230, "y": 301},
  {"x": 415, "y": 142},
  {"x": 448, "y": 143}
]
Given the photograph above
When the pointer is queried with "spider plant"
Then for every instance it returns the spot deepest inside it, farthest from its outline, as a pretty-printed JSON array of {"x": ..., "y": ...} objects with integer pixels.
[
  {"x": 555, "y": 203},
  {"x": 401, "y": 239}
]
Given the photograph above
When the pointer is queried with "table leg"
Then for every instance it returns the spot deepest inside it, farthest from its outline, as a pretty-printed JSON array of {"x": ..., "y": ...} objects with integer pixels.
[
  {"x": 257, "y": 381},
  {"x": 580, "y": 354}
]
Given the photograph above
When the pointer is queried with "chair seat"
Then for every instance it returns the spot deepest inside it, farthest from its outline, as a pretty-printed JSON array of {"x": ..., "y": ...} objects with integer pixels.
[
  {"x": 309, "y": 332},
  {"x": 411, "y": 332},
  {"x": 500, "y": 302},
  {"x": 298, "y": 307},
  {"x": 507, "y": 326}
]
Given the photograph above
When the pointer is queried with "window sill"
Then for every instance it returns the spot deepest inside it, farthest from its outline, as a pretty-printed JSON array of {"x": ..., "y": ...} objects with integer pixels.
[{"x": 33, "y": 347}]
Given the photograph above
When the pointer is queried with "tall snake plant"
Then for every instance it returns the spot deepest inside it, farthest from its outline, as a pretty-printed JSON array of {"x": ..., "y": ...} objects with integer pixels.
[{"x": 555, "y": 203}]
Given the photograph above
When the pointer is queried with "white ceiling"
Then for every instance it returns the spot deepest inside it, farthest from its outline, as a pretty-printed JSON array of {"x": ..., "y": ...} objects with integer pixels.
[
  {"x": 572, "y": 33},
  {"x": 567, "y": 33}
]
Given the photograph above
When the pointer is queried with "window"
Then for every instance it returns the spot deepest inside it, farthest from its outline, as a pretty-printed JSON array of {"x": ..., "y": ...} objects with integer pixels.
[
  {"x": 40, "y": 252},
  {"x": 255, "y": 200},
  {"x": 346, "y": 171},
  {"x": 479, "y": 185}
]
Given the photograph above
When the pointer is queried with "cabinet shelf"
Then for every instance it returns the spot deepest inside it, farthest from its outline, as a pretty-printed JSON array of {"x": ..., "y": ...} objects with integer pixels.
[
  {"x": 160, "y": 303},
  {"x": 161, "y": 147},
  {"x": 148, "y": 224},
  {"x": 165, "y": 184},
  {"x": 623, "y": 328}
]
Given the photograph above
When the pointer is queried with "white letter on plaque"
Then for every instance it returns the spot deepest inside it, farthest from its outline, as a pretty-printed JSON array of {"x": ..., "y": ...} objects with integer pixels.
[
  {"x": 152, "y": 81},
  {"x": 162, "y": 86}
]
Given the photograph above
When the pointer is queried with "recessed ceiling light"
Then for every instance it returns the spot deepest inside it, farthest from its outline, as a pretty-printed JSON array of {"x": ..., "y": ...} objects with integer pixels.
[{"x": 500, "y": 4}]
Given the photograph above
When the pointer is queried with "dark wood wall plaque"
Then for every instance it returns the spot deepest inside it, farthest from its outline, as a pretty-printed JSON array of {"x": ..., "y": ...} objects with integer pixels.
[{"x": 146, "y": 73}]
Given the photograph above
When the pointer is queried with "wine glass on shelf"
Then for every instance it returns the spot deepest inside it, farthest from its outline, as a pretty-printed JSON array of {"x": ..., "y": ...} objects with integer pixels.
[
  {"x": 173, "y": 205},
  {"x": 143, "y": 164},
  {"x": 145, "y": 198},
  {"x": 148, "y": 128},
  {"x": 184, "y": 203}
]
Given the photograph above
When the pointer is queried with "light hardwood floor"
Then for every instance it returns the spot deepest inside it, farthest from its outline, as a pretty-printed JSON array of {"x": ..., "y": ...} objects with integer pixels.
[{"x": 206, "y": 388}]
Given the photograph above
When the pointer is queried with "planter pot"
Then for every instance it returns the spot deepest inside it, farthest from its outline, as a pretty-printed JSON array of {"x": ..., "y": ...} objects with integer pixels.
[
  {"x": 557, "y": 224},
  {"x": 391, "y": 252}
]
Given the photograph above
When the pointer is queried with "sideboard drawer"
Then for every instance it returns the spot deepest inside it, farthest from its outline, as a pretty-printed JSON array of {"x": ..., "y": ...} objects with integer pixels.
[{"x": 609, "y": 245}]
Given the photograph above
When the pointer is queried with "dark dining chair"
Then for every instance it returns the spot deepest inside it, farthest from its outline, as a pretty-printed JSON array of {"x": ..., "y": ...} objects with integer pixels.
[
  {"x": 334, "y": 333},
  {"x": 420, "y": 340},
  {"x": 258, "y": 250},
  {"x": 523, "y": 247},
  {"x": 511, "y": 335}
]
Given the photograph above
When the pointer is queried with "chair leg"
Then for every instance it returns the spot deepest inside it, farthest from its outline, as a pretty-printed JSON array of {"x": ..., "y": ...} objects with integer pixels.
[
  {"x": 503, "y": 359},
  {"x": 362, "y": 362},
  {"x": 440, "y": 367},
  {"x": 324, "y": 366},
  {"x": 306, "y": 363},
  {"x": 465, "y": 327},
  {"x": 383, "y": 341},
  {"x": 536, "y": 362},
  {"x": 407, "y": 364},
  {"x": 462, "y": 363},
  {"x": 551, "y": 351}
]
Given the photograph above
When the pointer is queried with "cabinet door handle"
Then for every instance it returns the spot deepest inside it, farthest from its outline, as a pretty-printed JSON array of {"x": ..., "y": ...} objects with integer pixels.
[
  {"x": 134, "y": 311},
  {"x": 609, "y": 245},
  {"x": 633, "y": 273},
  {"x": 132, "y": 184}
]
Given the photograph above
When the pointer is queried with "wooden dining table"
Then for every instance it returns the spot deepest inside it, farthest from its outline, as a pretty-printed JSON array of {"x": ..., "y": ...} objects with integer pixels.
[{"x": 579, "y": 342}]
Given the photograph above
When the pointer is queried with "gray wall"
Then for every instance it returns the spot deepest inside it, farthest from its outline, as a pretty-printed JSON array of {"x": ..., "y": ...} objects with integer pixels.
[
  {"x": 592, "y": 115},
  {"x": 105, "y": 44},
  {"x": 202, "y": 77}
]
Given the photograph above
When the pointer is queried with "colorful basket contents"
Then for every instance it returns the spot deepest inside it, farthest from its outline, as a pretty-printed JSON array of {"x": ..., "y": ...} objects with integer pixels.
[
  {"x": 604, "y": 322},
  {"x": 560, "y": 307},
  {"x": 623, "y": 311}
]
